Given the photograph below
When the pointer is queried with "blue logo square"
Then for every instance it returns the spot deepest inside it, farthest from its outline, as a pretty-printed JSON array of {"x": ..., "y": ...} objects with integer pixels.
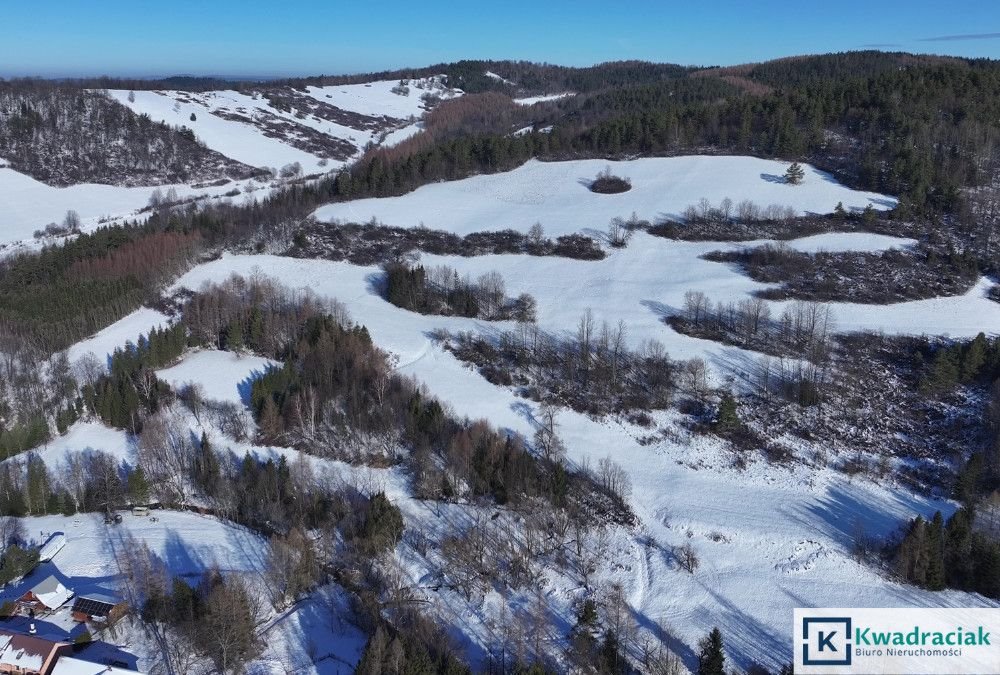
[{"x": 826, "y": 641}]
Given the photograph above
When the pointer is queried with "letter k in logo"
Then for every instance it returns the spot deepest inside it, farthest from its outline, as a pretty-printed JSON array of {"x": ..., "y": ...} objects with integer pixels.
[{"x": 825, "y": 640}]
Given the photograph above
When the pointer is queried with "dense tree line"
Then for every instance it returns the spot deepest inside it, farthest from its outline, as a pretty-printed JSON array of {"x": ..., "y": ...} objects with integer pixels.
[
  {"x": 944, "y": 365},
  {"x": 130, "y": 390},
  {"x": 377, "y": 243},
  {"x": 61, "y": 134},
  {"x": 889, "y": 133},
  {"x": 804, "y": 329},
  {"x": 937, "y": 554},
  {"x": 440, "y": 290},
  {"x": 71, "y": 290}
]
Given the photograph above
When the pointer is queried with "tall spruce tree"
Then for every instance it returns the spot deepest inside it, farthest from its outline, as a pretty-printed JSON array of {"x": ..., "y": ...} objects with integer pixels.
[
  {"x": 795, "y": 174},
  {"x": 711, "y": 659}
]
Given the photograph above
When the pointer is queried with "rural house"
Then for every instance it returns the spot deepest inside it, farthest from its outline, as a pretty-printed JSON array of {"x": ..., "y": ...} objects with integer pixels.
[
  {"x": 28, "y": 654},
  {"x": 45, "y": 596}
]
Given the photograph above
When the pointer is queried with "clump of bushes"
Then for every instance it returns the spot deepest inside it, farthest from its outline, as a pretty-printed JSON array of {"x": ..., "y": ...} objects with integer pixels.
[{"x": 607, "y": 183}]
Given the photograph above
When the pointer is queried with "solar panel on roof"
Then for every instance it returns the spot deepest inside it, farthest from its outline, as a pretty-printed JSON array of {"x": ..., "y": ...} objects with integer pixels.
[{"x": 92, "y": 607}]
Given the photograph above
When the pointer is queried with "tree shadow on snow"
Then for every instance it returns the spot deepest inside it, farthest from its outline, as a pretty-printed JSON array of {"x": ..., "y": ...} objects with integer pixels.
[
  {"x": 662, "y": 310},
  {"x": 773, "y": 178},
  {"x": 745, "y": 636},
  {"x": 377, "y": 283},
  {"x": 245, "y": 386},
  {"x": 838, "y": 513}
]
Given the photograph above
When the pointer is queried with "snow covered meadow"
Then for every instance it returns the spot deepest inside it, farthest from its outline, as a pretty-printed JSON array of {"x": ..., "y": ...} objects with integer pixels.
[
  {"x": 556, "y": 194},
  {"x": 30, "y": 205},
  {"x": 770, "y": 537}
]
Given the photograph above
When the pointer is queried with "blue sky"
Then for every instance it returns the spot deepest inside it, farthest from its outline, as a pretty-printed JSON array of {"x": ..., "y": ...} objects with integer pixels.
[{"x": 251, "y": 38}]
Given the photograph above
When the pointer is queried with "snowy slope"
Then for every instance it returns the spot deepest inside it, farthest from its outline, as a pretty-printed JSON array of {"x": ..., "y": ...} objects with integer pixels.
[
  {"x": 377, "y": 98},
  {"x": 82, "y": 438},
  {"x": 233, "y": 139},
  {"x": 223, "y": 376},
  {"x": 556, "y": 195},
  {"x": 770, "y": 538},
  {"x": 28, "y": 205},
  {"x": 118, "y": 334},
  {"x": 187, "y": 542},
  {"x": 532, "y": 100},
  {"x": 244, "y": 141}
]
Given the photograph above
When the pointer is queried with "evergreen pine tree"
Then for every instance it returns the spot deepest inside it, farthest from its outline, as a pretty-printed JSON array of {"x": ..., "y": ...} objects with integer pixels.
[
  {"x": 795, "y": 174},
  {"x": 234, "y": 336},
  {"x": 973, "y": 358},
  {"x": 935, "y": 553},
  {"x": 728, "y": 418},
  {"x": 711, "y": 659},
  {"x": 206, "y": 467},
  {"x": 68, "y": 504},
  {"x": 138, "y": 486}
]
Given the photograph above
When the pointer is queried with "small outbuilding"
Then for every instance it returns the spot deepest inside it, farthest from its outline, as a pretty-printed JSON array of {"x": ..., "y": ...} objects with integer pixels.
[{"x": 45, "y": 596}]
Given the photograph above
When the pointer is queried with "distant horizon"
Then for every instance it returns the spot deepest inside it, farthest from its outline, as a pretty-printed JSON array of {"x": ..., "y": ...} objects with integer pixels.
[
  {"x": 259, "y": 40},
  {"x": 257, "y": 77}
]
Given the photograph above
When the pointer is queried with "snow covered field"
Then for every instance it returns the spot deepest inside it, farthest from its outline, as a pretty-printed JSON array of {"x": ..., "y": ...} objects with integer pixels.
[
  {"x": 29, "y": 205},
  {"x": 532, "y": 100},
  {"x": 556, "y": 194},
  {"x": 770, "y": 538},
  {"x": 83, "y": 438},
  {"x": 188, "y": 543},
  {"x": 235, "y": 140},
  {"x": 378, "y": 98},
  {"x": 223, "y": 376}
]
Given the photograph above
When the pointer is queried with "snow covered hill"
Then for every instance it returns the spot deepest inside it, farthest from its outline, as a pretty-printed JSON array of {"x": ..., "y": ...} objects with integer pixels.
[
  {"x": 321, "y": 128},
  {"x": 770, "y": 537},
  {"x": 556, "y": 194},
  {"x": 290, "y": 132}
]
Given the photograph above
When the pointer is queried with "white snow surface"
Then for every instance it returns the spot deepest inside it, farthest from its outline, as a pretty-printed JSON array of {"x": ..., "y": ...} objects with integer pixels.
[
  {"x": 499, "y": 78},
  {"x": 188, "y": 543},
  {"x": 770, "y": 538},
  {"x": 532, "y": 100},
  {"x": 118, "y": 334},
  {"x": 27, "y": 205},
  {"x": 839, "y": 242},
  {"x": 556, "y": 194},
  {"x": 223, "y": 376},
  {"x": 234, "y": 139},
  {"x": 82, "y": 438},
  {"x": 377, "y": 98}
]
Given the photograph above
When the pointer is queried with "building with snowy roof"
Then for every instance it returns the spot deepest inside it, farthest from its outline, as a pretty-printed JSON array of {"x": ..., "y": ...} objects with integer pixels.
[
  {"x": 46, "y": 595},
  {"x": 29, "y": 654}
]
